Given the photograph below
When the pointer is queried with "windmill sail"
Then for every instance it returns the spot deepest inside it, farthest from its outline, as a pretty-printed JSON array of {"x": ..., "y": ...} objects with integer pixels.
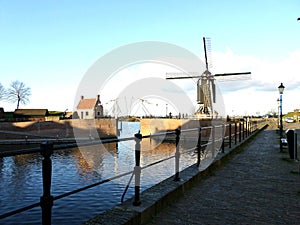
[{"x": 206, "y": 87}]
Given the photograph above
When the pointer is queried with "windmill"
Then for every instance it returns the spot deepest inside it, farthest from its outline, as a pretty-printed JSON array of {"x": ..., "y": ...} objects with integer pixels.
[{"x": 206, "y": 88}]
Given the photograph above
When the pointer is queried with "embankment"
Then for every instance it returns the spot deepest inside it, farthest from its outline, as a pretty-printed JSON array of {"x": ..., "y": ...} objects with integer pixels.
[{"x": 103, "y": 128}]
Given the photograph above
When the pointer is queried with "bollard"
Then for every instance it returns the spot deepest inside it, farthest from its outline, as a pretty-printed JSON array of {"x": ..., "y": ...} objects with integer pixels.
[
  {"x": 199, "y": 147},
  {"x": 177, "y": 155},
  {"x": 46, "y": 201},
  {"x": 137, "y": 169},
  {"x": 291, "y": 136},
  {"x": 230, "y": 137}
]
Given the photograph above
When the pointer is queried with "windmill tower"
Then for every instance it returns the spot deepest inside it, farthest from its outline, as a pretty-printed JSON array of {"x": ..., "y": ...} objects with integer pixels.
[{"x": 206, "y": 88}]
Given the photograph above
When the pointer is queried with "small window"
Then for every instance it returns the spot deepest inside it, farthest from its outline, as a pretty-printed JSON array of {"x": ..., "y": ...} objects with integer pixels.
[
  {"x": 86, "y": 113},
  {"x": 98, "y": 113}
]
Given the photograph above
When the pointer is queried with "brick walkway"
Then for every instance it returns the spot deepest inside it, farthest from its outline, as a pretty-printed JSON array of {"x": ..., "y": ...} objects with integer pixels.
[{"x": 257, "y": 186}]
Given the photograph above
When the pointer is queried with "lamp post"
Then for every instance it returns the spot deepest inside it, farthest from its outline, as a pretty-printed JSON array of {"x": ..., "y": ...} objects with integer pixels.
[
  {"x": 281, "y": 89},
  {"x": 278, "y": 113}
]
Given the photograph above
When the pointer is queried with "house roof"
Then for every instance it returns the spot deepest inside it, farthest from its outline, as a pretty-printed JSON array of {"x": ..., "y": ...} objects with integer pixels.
[
  {"x": 88, "y": 103},
  {"x": 31, "y": 112}
]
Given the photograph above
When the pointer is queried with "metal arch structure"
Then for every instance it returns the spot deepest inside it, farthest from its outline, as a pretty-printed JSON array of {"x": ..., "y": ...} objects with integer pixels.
[{"x": 206, "y": 88}]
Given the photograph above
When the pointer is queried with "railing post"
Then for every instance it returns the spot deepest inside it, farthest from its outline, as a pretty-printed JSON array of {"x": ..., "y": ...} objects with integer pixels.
[
  {"x": 46, "y": 201},
  {"x": 247, "y": 127},
  {"x": 240, "y": 132},
  {"x": 213, "y": 141},
  {"x": 230, "y": 136},
  {"x": 177, "y": 155},
  {"x": 243, "y": 127},
  {"x": 199, "y": 147},
  {"x": 235, "y": 132},
  {"x": 137, "y": 169},
  {"x": 223, "y": 138}
]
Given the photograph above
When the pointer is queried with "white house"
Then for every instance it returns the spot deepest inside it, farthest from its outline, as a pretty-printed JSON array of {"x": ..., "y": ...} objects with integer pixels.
[{"x": 90, "y": 108}]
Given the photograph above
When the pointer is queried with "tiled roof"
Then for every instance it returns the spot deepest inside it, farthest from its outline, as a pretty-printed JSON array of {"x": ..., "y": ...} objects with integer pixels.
[{"x": 88, "y": 103}]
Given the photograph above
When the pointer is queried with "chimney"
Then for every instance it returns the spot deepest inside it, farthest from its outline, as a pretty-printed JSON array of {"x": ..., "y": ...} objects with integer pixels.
[
  {"x": 98, "y": 98},
  {"x": 82, "y": 97}
]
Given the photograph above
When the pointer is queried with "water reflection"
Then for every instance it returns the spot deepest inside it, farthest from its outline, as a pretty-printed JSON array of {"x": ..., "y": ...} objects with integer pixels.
[{"x": 21, "y": 181}]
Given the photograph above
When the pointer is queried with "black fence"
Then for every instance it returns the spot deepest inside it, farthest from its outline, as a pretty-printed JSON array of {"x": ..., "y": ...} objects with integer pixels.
[{"x": 231, "y": 133}]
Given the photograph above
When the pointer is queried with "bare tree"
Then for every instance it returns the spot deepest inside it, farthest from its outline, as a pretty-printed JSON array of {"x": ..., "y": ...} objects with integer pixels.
[
  {"x": 2, "y": 91},
  {"x": 19, "y": 93}
]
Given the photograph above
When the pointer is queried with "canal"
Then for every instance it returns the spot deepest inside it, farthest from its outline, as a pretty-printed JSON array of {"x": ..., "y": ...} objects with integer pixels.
[{"x": 21, "y": 178}]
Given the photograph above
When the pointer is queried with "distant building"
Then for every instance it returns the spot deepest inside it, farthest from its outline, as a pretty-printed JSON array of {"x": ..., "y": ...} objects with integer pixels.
[
  {"x": 296, "y": 115},
  {"x": 30, "y": 113},
  {"x": 89, "y": 108}
]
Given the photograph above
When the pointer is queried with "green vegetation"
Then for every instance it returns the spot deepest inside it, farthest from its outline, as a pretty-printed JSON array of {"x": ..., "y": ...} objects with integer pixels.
[
  {"x": 290, "y": 114},
  {"x": 8, "y": 115},
  {"x": 55, "y": 113}
]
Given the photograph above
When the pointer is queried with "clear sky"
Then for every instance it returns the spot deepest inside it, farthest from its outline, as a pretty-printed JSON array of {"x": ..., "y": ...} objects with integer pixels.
[{"x": 49, "y": 45}]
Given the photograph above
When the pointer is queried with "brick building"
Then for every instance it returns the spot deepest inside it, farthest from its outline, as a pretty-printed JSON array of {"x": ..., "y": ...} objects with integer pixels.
[{"x": 89, "y": 108}]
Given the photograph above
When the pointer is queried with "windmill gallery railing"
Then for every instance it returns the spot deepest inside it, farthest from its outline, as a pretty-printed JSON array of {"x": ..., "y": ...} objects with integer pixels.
[{"x": 234, "y": 132}]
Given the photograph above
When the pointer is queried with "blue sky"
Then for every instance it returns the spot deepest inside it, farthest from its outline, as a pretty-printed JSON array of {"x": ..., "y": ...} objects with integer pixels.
[{"x": 49, "y": 45}]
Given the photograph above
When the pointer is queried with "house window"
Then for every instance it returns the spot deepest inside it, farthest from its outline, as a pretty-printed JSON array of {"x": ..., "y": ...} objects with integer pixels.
[
  {"x": 98, "y": 113},
  {"x": 86, "y": 113}
]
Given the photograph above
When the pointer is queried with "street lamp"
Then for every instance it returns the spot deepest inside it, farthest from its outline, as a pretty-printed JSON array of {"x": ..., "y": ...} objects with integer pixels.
[
  {"x": 281, "y": 89},
  {"x": 278, "y": 113}
]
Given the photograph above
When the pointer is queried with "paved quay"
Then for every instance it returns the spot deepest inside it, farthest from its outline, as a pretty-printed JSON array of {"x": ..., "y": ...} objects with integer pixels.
[{"x": 259, "y": 185}]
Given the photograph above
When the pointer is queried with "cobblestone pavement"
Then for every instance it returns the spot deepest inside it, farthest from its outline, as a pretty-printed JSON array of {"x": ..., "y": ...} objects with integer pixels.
[{"x": 260, "y": 185}]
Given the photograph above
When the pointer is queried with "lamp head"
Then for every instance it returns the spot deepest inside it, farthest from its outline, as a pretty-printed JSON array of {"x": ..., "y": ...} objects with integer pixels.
[{"x": 281, "y": 89}]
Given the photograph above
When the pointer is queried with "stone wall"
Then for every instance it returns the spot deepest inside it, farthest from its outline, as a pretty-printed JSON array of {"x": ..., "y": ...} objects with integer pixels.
[
  {"x": 103, "y": 128},
  {"x": 152, "y": 126}
]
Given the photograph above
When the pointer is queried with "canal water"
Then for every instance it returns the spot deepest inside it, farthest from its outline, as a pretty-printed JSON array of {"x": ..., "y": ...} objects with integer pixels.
[{"x": 21, "y": 180}]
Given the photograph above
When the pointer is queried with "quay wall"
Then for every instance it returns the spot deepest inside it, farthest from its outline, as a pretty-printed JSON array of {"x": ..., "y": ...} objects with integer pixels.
[
  {"x": 152, "y": 126},
  {"x": 102, "y": 127}
]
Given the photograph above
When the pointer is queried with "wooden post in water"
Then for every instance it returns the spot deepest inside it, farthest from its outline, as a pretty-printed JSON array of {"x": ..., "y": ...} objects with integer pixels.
[{"x": 46, "y": 201}]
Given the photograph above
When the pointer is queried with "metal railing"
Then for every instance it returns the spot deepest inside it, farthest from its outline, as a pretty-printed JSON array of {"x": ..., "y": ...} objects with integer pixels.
[{"x": 233, "y": 132}]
